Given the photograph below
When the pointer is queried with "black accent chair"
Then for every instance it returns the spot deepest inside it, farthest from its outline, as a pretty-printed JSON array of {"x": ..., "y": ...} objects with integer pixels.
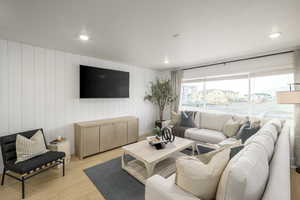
[{"x": 28, "y": 168}]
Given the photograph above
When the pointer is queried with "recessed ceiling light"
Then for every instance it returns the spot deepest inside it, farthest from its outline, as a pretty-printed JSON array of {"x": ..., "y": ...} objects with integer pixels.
[
  {"x": 84, "y": 37},
  {"x": 275, "y": 35},
  {"x": 176, "y": 35},
  {"x": 166, "y": 61}
]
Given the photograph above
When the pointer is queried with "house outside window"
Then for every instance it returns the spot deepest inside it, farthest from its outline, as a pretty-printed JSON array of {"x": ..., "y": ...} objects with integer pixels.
[{"x": 251, "y": 96}]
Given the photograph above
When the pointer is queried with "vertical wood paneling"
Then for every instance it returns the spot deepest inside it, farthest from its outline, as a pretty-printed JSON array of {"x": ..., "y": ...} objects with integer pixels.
[
  {"x": 39, "y": 88},
  {"x": 28, "y": 88},
  {"x": 69, "y": 95},
  {"x": 4, "y": 94},
  {"x": 50, "y": 94},
  {"x": 59, "y": 93},
  {"x": 15, "y": 86}
]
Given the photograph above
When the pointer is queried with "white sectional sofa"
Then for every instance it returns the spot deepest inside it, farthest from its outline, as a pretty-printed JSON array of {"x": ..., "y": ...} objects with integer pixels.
[
  {"x": 261, "y": 170},
  {"x": 209, "y": 128}
]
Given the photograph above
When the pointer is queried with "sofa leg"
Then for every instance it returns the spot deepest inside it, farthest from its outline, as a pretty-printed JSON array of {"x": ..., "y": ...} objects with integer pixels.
[
  {"x": 63, "y": 167},
  {"x": 3, "y": 176},
  {"x": 23, "y": 188}
]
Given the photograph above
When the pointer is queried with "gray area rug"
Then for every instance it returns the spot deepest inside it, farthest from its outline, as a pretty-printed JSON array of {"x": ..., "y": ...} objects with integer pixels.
[{"x": 115, "y": 183}]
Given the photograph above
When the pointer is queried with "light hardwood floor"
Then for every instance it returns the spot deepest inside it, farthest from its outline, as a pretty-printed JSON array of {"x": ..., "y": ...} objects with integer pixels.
[
  {"x": 50, "y": 185},
  {"x": 76, "y": 185},
  {"x": 295, "y": 180}
]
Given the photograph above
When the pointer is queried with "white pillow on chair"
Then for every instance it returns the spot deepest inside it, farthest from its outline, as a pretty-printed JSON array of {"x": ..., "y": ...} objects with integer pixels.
[{"x": 28, "y": 148}]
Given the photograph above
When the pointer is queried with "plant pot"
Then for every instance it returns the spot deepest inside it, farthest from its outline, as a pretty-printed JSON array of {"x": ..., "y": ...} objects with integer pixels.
[{"x": 158, "y": 123}]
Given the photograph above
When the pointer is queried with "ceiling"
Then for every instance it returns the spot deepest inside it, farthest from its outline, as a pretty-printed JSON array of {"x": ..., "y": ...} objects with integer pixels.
[{"x": 140, "y": 32}]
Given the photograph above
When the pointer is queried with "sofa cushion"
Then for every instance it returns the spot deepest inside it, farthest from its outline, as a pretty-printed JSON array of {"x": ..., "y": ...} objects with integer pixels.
[
  {"x": 179, "y": 130},
  {"x": 204, "y": 135},
  {"x": 266, "y": 137},
  {"x": 213, "y": 121},
  {"x": 245, "y": 176},
  {"x": 278, "y": 187},
  {"x": 266, "y": 141},
  {"x": 201, "y": 177},
  {"x": 35, "y": 162},
  {"x": 269, "y": 129},
  {"x": 277, "y": 123}
]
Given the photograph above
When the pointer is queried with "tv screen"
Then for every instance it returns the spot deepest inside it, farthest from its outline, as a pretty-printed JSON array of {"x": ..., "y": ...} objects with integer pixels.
[{"x": 103, "y": 83}]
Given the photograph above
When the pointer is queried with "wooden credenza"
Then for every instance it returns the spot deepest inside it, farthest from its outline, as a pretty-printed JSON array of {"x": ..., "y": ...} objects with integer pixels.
[{"x": 92, "y": 137}]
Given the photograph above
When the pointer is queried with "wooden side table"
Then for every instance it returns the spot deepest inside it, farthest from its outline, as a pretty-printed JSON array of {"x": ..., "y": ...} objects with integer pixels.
[{"x": 63, "y": 146}]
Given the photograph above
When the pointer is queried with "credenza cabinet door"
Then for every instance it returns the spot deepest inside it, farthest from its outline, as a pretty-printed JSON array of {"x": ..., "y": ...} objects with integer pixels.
[
  {"x": 107, "y": 132},
  {"x": 133, "y": 131},
  {"x": 91, "y": 140},
  {"x": 120, "y": 136}
]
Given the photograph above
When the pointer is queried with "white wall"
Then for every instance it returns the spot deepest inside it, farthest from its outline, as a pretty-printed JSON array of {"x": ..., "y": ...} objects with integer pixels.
[{"x": 40, "y": 88}]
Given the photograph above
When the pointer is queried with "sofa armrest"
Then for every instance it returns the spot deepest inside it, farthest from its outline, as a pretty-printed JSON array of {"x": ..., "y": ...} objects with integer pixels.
[{"x": 160, "y": 188}]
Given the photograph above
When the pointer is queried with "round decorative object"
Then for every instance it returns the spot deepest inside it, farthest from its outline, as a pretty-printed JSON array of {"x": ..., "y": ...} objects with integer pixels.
[{"x": 167, "y": 134}]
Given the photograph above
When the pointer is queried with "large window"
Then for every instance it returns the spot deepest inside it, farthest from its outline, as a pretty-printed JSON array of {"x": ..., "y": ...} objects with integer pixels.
[
  {"x": 263, "y": 96},
  {"x": 192, "y": 97},
  {"x": 230, "y": 96},
  {"x": 254, "y": 96}
]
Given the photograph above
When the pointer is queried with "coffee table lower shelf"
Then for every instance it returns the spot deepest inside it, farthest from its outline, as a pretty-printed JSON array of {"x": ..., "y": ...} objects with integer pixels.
[{"x": 164, "y": 168}]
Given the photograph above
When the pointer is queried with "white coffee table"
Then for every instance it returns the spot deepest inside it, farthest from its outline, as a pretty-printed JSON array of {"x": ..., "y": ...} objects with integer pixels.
[{"x": 149, "y": 161}]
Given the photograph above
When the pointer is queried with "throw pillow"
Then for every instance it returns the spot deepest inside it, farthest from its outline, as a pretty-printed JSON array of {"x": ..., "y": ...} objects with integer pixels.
[
  {"x": 187, "y": 119},
  {"x": 231, "y": 127},
  {"x": 201, "y": 177},
  {"x": 235, "y": 147},
  {"x": 246, "y": 131},
  {"x": 27, "y": 148},
  {"x": 175, "y": 118}
]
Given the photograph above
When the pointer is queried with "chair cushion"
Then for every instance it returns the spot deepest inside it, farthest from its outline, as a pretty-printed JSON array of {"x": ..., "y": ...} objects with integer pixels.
[
  {"x": 213, "y": 121},
  {"x": 205, "y": 135},
  {"x": 35, "y": 162}
]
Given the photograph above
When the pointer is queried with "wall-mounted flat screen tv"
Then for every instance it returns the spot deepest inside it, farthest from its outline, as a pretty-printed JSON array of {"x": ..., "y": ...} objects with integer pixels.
[{"x": 103, "y": 83}]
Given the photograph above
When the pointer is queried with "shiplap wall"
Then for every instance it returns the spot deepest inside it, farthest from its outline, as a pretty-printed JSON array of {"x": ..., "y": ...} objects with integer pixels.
[{"x": 40, "y": 88}]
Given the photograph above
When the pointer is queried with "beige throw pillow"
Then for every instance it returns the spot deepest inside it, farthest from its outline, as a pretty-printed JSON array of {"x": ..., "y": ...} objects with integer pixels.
[
  {"x": 231, "y": 127},
  {"x": 175, "y": 118},
  {"x": 29, "y": 148},
  {"x": 200, "y": 176}
]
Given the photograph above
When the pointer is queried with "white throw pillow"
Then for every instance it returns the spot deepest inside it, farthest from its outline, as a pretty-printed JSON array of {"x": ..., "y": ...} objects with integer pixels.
[
  {"x": 28, "y": 148},
  {"x": 201, "y": 178},
  {"x": 231, "y": 127},
  {"x": 197, "y": 119},
  {"x": 245, "y": 176},
  {"x": 175, "y": 118}
]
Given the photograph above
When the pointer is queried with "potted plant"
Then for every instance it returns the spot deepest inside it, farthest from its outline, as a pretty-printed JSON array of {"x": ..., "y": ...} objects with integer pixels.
[{"x": 160, "y": 94}]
